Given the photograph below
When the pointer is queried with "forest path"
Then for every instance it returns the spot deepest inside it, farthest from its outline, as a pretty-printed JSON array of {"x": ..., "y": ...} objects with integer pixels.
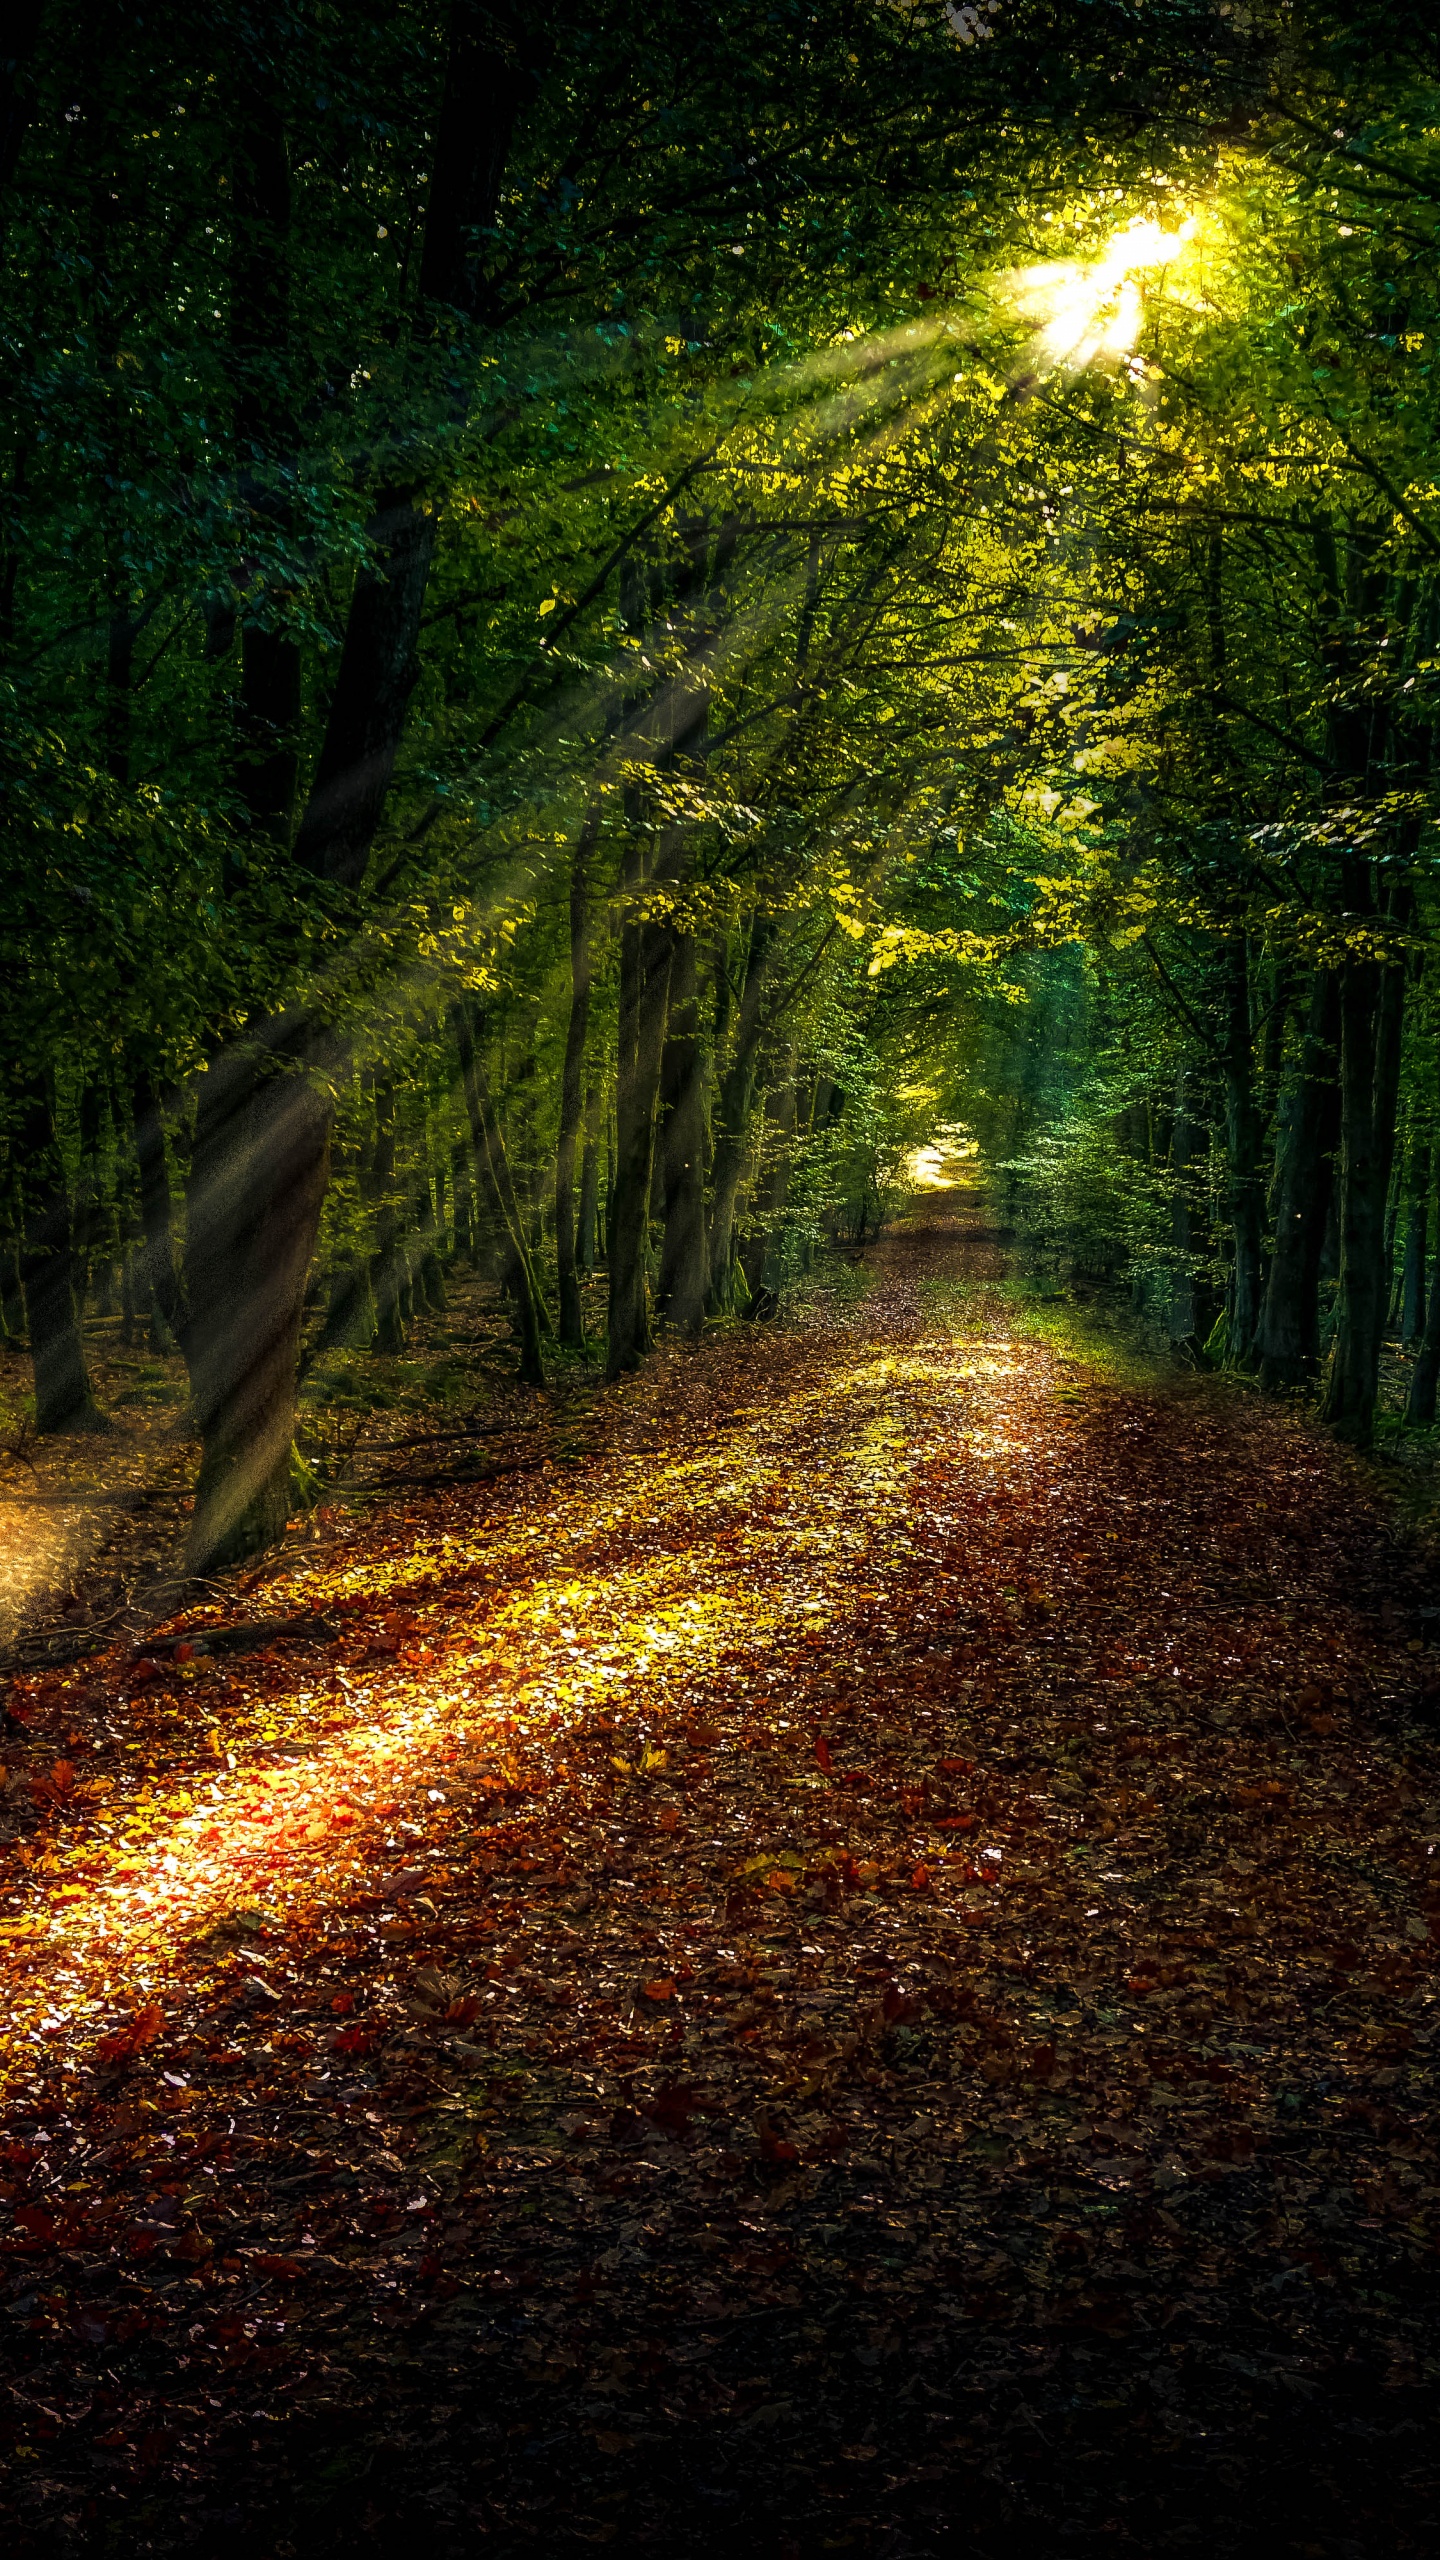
[{"x": 858, "y": 1964}]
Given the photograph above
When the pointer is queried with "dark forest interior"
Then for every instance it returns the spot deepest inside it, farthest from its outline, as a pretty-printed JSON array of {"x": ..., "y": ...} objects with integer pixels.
[{"x": 719, "y": 1277}]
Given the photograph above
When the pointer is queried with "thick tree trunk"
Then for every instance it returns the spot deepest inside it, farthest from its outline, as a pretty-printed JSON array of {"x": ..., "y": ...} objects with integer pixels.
[
  {"x": 379, "y": 668},
  {"x": 1288, "y": 1342},
  {"x": 684, "y": 1274},
  {"x": 64, "y": 1401},
  {"x": 262, "y": 1150},
  {"x": 572, "y": 1319},
  {"x": 493, "y": 1168},
  {"x": 1242, "y": 1147},
  {"x": 258, "y": 1175},
  {"x": 645, "y": 952}
]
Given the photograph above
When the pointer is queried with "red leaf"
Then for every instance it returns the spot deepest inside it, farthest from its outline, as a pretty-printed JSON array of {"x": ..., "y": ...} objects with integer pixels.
[
  {"x": 663, "y": 1990},
  {"x": 266, "y": 2265},
  {"x": 122, "y": 2042},
  {"x": 343, "y": 2003},
  {"x": 957, "y": 1822},
  {"x": 823, "y": 1755}
]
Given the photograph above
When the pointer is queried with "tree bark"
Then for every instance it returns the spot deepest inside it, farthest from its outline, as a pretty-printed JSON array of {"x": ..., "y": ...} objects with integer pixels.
[
  {"x": 492, "y": 65},
  {"x": 89, "y": 1222},
  {"x": 1425, "y": 1376},
  {"x": 492, "y": 1166},
  {"x": 258, "y": 1175},
  {"x": 1288, "y": 1342},
  {"x": 258, "y": 1179},
  {"x": 760, "y": 1258},
  {"x": 1372, "y": 998},
  {"x": 1417, "y": 1247},
  {"x": 462, "y": 1194},
  {"x": 1182, "y": 1274},
  {"x": 1242, "y": 1147},
  {"x": 64, "y": 1401},
  {"x": 572, "y": 1318},
  {"x": 387, "y": 1270},
  {"x": 157, "y": 1208},
  {"x": 734, "y": 1108},
  {"x": 645, "y": 954},
  {"x": 591, "y": 1241},
  {"x": 683, "y": 1281}
]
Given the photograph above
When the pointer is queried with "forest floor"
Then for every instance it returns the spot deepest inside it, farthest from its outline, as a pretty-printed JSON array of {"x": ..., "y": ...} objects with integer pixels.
[{"x": 853, "y": 1965}]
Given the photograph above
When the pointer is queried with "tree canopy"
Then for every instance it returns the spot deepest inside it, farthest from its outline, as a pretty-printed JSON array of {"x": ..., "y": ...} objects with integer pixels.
[{"x": 609, "y": 618}]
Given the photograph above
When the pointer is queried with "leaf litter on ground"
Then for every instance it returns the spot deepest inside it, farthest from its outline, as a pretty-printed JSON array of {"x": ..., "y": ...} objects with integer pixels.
[{"x": 871, "y": 1947}]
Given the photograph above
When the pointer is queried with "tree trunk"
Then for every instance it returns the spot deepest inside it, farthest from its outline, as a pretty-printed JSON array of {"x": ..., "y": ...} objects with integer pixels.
[
  {"x": 735, "y": 1104},
  {"x": 157, "y": 1208},
  {"x": 1182, "y": 1272},
  {"x": 260, "y": 1170},
  {"x": 684, "y": 1270},
  {"x": 492, "y": 1166},
  {"x": 387, "y": 1274},
  {"x": 430, "y": 1273},
  {"x": 760, "y": 1255},
  {"x": 1425, "y": 1376},
  {"x": 1372, "y": 998},
  {"x": 1417, "y": 1247},
  {"x": 64, "y": 1401},
  {"x": 1242, "y": 1147},
  {"x": 462, "y": 1194},
  {"x": 1288, "y": 1342},
  {"x": 645, "y": 953},
  {"x": 590, "y": 1242},
  {"x": 87, "y": 1211},
  {"x": 12, "y": 1300},
  {"x": 492, "y": 64},
  {"x": 572, "y": 1318},
  {"x": 258, "y": 1174}
]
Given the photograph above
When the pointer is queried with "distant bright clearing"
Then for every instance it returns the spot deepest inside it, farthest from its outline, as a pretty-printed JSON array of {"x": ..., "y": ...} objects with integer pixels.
[{"x": 942, "y": 1161}]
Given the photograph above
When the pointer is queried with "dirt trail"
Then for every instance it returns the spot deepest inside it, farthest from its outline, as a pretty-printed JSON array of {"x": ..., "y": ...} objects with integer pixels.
[{"x": 858, "y": 1965}]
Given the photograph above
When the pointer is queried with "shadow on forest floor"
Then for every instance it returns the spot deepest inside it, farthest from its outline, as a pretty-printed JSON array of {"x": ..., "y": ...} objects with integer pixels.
[{"x": 855, "y": 1964}]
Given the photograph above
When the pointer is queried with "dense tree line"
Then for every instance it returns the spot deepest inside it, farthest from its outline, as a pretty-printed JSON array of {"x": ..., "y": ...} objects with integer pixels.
[{"x": 583, "y": 659}]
